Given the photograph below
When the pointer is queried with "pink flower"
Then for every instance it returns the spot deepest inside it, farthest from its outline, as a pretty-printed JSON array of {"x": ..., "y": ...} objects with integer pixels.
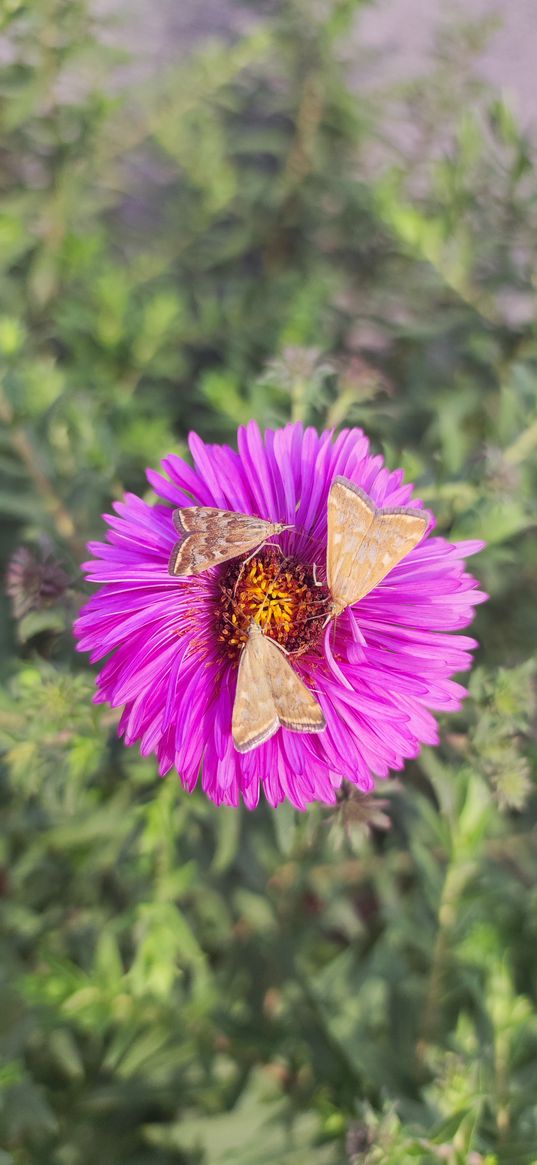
[{"x": 379, "y": 671}]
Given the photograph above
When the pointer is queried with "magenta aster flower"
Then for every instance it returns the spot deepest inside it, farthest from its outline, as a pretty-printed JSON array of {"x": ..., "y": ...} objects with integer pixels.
[{"x": 379, "y": 671}]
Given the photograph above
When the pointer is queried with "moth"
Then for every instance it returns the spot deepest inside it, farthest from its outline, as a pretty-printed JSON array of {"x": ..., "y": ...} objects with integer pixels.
[
  {"x": 212, "y": 536},
  {"x": 269, "y": 694},
  {"x": 364, "y": 543}
]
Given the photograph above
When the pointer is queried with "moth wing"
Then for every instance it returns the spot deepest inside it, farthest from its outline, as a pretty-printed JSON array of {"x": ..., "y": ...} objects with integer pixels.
[
  {"x": 297, "y": 707},
  {"x": 269, "y": 694},
  {"x": 371, "y": 542},
  {"x": 195, "y": 554},
  {"x": 391, "y": 536},
  {"x": 255, "y": 718},
  {"x": 179, "y": 563},
  {"x": 200, "y": 519},
  {"x": 350, "y": 515},
  {"x": 213, "y": 536}
]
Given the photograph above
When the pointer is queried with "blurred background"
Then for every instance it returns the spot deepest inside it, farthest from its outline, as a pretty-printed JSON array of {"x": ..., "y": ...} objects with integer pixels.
[{"x": 317, "y": 209}]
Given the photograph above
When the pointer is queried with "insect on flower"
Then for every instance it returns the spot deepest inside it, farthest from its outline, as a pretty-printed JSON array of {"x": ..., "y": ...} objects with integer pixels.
[
  {"x": 270, "y": 695},
  {"x": 213, "y": 536},
  {"x": 365, "y": 543},
  {"x": 174, "y": 645}
]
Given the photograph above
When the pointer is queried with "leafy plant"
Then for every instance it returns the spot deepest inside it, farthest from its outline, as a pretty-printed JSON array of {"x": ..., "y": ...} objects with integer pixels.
[{"x": 245, "y": 236}]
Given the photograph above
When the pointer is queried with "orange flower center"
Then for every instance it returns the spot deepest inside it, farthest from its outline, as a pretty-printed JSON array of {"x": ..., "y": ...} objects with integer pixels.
[{"x": 281, "y": 594}]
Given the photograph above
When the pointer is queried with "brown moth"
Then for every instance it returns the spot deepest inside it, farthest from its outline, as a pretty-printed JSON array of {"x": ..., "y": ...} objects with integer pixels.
[
  {"x": 213, "y": 536},
  {"x": 269, "y": 694},
  {"x": 364, "y": 543}
]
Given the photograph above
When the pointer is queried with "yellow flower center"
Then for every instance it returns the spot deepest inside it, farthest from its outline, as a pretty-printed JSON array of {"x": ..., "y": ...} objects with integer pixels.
[{"x": 281, "y": 594}]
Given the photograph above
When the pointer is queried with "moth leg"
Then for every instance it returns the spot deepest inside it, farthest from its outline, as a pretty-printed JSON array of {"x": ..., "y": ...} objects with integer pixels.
[
  {"x": 249, "y": 559},
  {"x": 245, "y": 563},
  {"x": 328, "y": 618},
  {"x": 295, "y": 654},
  {"x": 317, "y": 581}
]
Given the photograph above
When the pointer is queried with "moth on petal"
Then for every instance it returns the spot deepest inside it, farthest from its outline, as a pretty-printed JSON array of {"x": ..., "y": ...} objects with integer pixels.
[
  {"x": 171, "y": 654},
  {"x": 364, "y": 543},
  {"x": 212, "y": 536},
  {"x": 269, "y": 695}
]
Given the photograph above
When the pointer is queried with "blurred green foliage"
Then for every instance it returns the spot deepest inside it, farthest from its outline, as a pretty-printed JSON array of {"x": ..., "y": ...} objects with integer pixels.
[{"x": 246, "y": 235}]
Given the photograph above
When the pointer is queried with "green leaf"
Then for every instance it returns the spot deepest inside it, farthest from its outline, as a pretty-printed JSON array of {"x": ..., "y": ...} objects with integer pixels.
[{"x": 285, "y": 827}]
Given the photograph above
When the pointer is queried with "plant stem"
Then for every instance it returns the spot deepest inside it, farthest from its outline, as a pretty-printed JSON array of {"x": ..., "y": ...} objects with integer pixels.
[
  {"x": 24, "y": 449},
  {"x": 454, "y": 882}
]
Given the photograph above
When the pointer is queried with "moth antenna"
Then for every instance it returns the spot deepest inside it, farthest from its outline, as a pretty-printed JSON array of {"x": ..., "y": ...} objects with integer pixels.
[{"x": 304, "y": 533}]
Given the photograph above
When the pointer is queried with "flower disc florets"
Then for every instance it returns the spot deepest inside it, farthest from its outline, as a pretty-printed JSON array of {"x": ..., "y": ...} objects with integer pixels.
[
  {"x": 379, "y": 671},
  {"x": 281, "y": 593}
]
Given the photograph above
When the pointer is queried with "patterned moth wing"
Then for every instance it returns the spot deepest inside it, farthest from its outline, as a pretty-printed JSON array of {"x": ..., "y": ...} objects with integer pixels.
[
  {"x": 364, "y": 543},
  {"x": 269, "y": 694},
  {"x": 212, "y": 536}
]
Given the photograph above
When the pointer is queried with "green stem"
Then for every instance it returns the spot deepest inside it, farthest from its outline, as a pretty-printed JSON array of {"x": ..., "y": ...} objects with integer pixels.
[
  {"x": 299, "y": 401},
  {"x": 22, "y": 446},
  {"x": 454, "y": 883}
]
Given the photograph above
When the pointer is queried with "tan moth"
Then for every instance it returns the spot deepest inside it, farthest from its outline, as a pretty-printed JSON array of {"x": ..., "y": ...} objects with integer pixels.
[
  {"x": 269, "y": 695},
  {"x": 211, "y": 536},
  {"x": 364, "y": 543}
]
